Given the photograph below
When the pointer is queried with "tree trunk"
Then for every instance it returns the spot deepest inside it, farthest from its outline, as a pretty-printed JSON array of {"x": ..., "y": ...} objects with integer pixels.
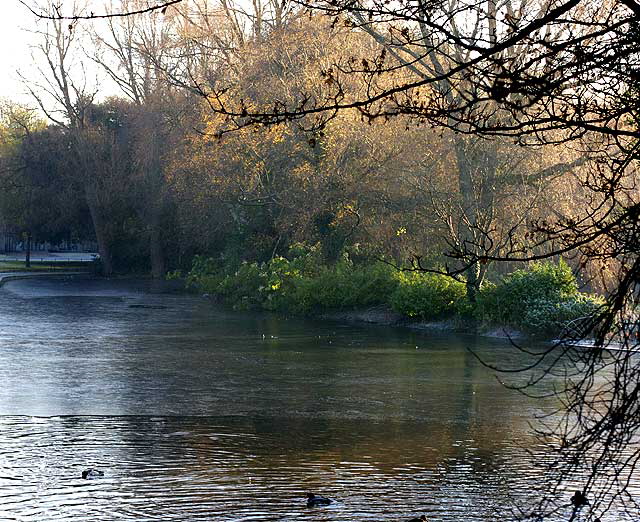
[
  {"x": 27, "y": 258},
  {"x": 104, "y": 248},
  {"x": 477, "y": 167},
  {"x": 156, "y": 248}
]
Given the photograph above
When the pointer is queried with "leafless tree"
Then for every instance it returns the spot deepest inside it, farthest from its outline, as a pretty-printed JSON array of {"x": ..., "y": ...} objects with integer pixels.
[
  {"x": 134, "y": 51},
  {"x": 65, "y": 95},
  {"x": 58, "y": 12}
]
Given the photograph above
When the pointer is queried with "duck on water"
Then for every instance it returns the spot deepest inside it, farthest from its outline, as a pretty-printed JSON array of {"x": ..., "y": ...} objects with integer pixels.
[
  {"x": 317, "y": 500},
  {"x": 92, "y": 473},
  {"x": 579, "y": 499}
]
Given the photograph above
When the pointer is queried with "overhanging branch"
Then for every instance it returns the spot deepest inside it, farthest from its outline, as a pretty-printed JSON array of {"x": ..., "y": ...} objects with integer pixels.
[{"x": 162, "y": 6}]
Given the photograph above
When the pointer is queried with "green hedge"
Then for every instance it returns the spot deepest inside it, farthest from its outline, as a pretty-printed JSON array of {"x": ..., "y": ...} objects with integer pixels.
[{"x": 300, "y": 283}]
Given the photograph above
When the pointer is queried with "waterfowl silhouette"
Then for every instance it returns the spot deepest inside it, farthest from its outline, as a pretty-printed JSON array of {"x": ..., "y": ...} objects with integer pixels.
[
  {"x": 579, "y": 499},
  {"x": 317, "y": 500},
  {"x": 421, "y": 518},
  {"x": 92, "y": 473}
]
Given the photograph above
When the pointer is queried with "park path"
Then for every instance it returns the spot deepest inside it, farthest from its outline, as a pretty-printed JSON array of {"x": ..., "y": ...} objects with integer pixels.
[{"x": 12, "y": 276}]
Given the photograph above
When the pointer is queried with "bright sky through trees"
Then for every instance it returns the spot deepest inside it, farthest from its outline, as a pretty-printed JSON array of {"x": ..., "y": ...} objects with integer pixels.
[
  {"x": 15, "y": 23},
  {"x": 18, "y": 34}
]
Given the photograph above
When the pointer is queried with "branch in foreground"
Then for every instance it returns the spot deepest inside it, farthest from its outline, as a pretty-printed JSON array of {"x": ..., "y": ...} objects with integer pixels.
[{"x": 162, "y": 7}]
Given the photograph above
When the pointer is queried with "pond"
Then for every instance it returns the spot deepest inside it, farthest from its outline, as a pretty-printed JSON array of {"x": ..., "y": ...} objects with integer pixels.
[{"x": 196, "y": 412}]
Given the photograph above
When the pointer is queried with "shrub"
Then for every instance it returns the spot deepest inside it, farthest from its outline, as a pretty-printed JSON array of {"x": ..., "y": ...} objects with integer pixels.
[
  {"x": 205, "y": 275},
  {"x": 427, "y": 296},
  {"x": 342, "y": 286},
  {"x": 243, "y": 287},
  {"x": 545, "y": 317},
  {"x": 300, "y": 284},
  {"x": 539, "y": 300}
]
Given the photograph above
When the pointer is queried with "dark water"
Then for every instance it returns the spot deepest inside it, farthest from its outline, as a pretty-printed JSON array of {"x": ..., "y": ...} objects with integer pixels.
[{"x": 197, "y": 413}]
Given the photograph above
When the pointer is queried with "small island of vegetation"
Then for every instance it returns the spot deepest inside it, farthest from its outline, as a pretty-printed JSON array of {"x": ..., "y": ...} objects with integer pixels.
[{"x": 541, "y": 301}]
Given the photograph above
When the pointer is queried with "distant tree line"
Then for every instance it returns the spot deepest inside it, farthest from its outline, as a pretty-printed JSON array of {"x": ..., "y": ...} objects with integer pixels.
[{"x": 156, "y": 177}]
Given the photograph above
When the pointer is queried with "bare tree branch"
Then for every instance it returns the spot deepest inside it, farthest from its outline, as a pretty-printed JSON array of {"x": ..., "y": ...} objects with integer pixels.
[{"x": 162, "y": 7}]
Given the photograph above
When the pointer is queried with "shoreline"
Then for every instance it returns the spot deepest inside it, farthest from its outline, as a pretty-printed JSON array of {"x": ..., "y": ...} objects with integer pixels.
[
  {"x": 379, "y": 315},
  {"x": 383, "y": 316}
]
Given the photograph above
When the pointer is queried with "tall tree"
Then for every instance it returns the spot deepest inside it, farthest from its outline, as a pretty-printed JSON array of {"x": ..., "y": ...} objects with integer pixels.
[
  {"x": 134, "y": 52},
  {"x": 65, "y": 97}
]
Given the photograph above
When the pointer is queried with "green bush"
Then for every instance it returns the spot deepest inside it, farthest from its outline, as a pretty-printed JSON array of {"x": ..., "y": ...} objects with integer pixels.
[
  {"x": 205, "y": 275},
  {"x": 244, "y": 287},
  {"x": 539, "y": 300},
  {"x": 427, "y": 295},
  {"x": 344, "y": 286},
  {"x": 546, "y": 317},
  {"x": 299, "y": 284}
]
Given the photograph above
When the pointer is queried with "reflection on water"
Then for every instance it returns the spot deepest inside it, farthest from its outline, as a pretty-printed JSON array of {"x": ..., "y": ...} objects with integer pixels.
[{"x": 197, "y": 413}]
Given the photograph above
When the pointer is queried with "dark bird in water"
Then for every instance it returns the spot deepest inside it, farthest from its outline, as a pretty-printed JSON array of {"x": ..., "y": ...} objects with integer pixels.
[
  {"x": 92, "y": 473},
  {"x": 421, "y": 518},
  {"x": 579, "y": 499},
  {"x": 317, "y": 500}
]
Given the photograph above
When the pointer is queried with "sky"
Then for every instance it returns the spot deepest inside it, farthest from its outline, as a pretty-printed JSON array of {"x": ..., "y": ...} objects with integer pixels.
[
  {"x": 18, "y": 28},
  {"x": 15, "y": 20}
]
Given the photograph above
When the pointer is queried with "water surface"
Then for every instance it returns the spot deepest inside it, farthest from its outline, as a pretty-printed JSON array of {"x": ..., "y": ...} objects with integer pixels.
[{"x": 195, "y": 412}]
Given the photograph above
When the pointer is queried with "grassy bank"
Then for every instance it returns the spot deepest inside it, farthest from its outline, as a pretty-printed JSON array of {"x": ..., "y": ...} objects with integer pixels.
[{"x": 539, "y": 300}]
